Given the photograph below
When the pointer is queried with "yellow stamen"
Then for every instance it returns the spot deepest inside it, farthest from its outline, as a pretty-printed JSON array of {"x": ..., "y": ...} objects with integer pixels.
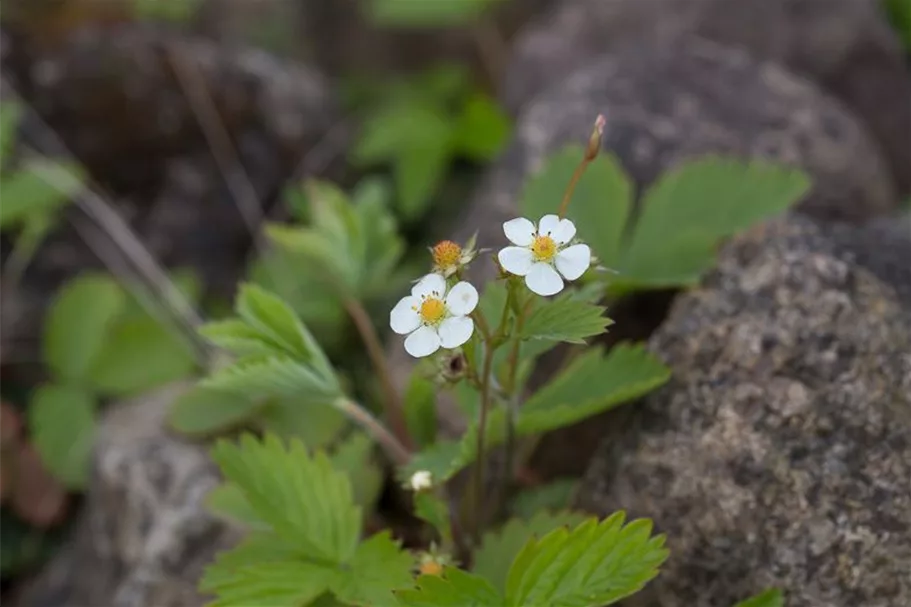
[
  {"x": 432, "y": 310},
  {"x": 544, "y": 248},
  {"x": 447, "y": 254}
]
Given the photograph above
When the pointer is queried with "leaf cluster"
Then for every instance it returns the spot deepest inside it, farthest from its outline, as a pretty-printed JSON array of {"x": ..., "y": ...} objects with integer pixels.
[
  {"x": 671, "y": 239},
  {"x": 419, "y": 127}
]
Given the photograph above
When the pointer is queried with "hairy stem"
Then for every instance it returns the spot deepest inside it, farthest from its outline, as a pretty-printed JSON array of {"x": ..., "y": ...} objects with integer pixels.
[
  {"x": 480, "y": 462},
  {"x": 513, "y": 401},
  {"x": 591, "y": 152},
  {"x": 395, "y": 450},
  {"x": 391, "y": 405}
]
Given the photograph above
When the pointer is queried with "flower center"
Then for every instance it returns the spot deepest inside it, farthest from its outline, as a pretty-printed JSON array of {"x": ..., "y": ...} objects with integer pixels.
[
  {"x": 446, "y": 254},
  {"x": 432, "y": 310},
  {"x": 543, "y": 248}
]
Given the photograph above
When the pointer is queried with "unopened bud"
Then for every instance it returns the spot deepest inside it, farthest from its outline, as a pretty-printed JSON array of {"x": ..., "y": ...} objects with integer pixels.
[
  {"x": 594, "y": 141},
  {"x": 421, "y": 480},
  {"x": 448, "y": 257}
]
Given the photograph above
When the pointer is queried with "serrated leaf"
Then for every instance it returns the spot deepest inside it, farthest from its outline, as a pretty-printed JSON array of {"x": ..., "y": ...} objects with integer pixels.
[
  {"x": 378, "y": 567},
  {"x": 690, "y": 209},
  {"x": 555, "y": 495},
  {"x": 483, "y": 128},
  {"x": 303, "y": 498},
  {"x": 600, "y": 205},
  {"x": 565, "y": 319},
  {"x": 39, "y": 187},
  {"x": 595, "y": 564},
  {"x": 79, "y": 322},
  {"x": 265, "y": 570},
  {"x": 62, "y": 426},
  {"x": 139, "y": 355},
  {"x": 314, "y": 422},
  {"x": 499, "y": 548},
  {"x": 408, "y": 13},
  {"x": 420, "y": 409},
  {"x": 273, "y": 377},
  {"x": 770, "y": 598},
  {"x": 237, "y": 337},
  {"x": 355, "y": 456},
  {"x": 432, "y": 509},
  {"x": 591, "y": 384},
  {"x": 202, "y": 411},
  {"x": 229, "y": 502},
  {"x": 455, "y": 588}
]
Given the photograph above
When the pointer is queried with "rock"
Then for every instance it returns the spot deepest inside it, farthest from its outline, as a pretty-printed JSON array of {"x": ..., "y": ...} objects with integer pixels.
[
  {"x": 116, "y": 99},
  {"x": 780, "y": 452},
  {"x": 844, "y": 46},
  {"x": 144, "y": 535}
]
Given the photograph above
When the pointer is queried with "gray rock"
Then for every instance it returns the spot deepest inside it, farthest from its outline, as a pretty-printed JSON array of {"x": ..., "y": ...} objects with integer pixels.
[
  {"x": 144, "y": 535},
  {"x": 780, "y": 452},
  {"x": 845, "y": 46}
]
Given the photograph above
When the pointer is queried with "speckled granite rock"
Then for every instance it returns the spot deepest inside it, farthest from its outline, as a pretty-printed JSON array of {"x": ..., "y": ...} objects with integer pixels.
[
  {"x": 114, "y": 98},
  {"x": 144, "y": 536},
  {"x": 780, "y": 452},
  {"x": 845, "y": 46}
]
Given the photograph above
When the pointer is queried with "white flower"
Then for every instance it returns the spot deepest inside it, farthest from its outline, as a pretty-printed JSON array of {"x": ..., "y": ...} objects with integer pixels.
[
  {"x": 539, "y": 250},
  {"x": 432, "y": 317},
  {"x": 421, "y": 480}
]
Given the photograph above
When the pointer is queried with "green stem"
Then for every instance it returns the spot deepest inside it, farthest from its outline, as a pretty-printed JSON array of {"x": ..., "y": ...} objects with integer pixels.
[
  {"x": 480, "y": 462},
  {"x": 397, "y": 452}
]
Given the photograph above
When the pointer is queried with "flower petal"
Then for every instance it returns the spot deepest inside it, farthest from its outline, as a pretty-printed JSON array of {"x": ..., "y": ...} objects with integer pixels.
[
  {"x": 455, "y": 331},
  {"x": 404, "y": 318},
  {"x": 422, "y": 342},
  {"x": 573, "y": 261},
  {"x": 462, "y": 299},
  {"x": 548, "y": 224},
  {"x": 519, "y": 231},
  {"x": 516, "y": 260},
  {"x": 544, "y": 280},
  {"x": 432, "y": 283},
  {"x": 564, "y": 232}
]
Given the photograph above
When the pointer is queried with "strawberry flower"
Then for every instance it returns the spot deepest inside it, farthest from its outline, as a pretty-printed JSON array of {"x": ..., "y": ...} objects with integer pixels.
[{"x": 434, "y": 317}]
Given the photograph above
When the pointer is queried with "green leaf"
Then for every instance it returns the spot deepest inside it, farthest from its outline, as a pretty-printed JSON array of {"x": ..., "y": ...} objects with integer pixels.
[
  {"x": 237, "y": 337},
  {"x": 303, "y": 498},
  {"x": 555, "y": 495},
  {"x": 434, "y": 13},
  {"x": 62, "y": 427},
  {"x": 139, "y": 355},
  {"x": 418, "y": 172},
  {"x": 170, "y": 11},
  {"x": 41, "y": 186},
  {"x": 565, "y": 319},
  {"x": 594, "y": 564},
  {"x": 203, "y": 411},
  {"x": 692, "y": 208},
  {"x": 899, "y": 13},
  {"x": 273, "y": 377},
  {"x": 600, "y": 205},
  {"x": 770, "y": 598},
  {"x": 591, "y": 384},
  {"x": 298, "y": 416},
  {"x": 432, "y": 509},
  {"x": 356, "y": 457},
  {"x": 420, "y": 409},
  {"x": 79, "y": 323},
  {"x": 455, "y": 588},
  {"x": 499, "y": 548},
  {"x": 483, "y": 128},
  {"x": 265, "y": 570},
  {"x": 379, "y": 566},
  {"x": 229, "y": 502},
  {"x": 10, "y": 113}
]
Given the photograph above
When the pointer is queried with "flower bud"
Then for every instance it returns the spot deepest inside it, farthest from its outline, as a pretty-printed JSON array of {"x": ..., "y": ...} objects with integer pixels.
[{"x": 421, "y": 480}]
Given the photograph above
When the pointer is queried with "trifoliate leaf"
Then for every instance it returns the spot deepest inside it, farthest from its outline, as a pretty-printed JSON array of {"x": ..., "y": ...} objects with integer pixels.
[
  {"x": 273, "y": 377},
  {"x": 600, "y": 205},
  {"x": 237, "y": 337},
  {"x": 201, "y": 411},
  {"x": 770, "y": 598},
  {"x": 356, "y": 457},
  {"x": 499, "y": 548},
  {"x": 79, "y": 323},
  {"x": 455, "y": 588},
  {"x": 690, "y": 209},
  {"x": 565, "y": 319},
  {"x": 595, "y": 564},
  {"x": 38, "y": 187},
  {"x": 591, "y": 384},
  {"x": 228, "y": 502},
  {"x": 379, "y": 566},
  {"x": 139, "y": 355},
  {"x": 265, "y": 570},
  {"x": 62, "y": 426},
  {"x": 306, "y": 501},
  {"x": 483, "y": 128},
  {"x": 555, "y": 495},
  {"x": 420, "y": 409}
]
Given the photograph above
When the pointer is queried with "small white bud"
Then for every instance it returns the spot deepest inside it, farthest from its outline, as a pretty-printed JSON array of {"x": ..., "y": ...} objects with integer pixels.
[{"x": 421, "y": 480}]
